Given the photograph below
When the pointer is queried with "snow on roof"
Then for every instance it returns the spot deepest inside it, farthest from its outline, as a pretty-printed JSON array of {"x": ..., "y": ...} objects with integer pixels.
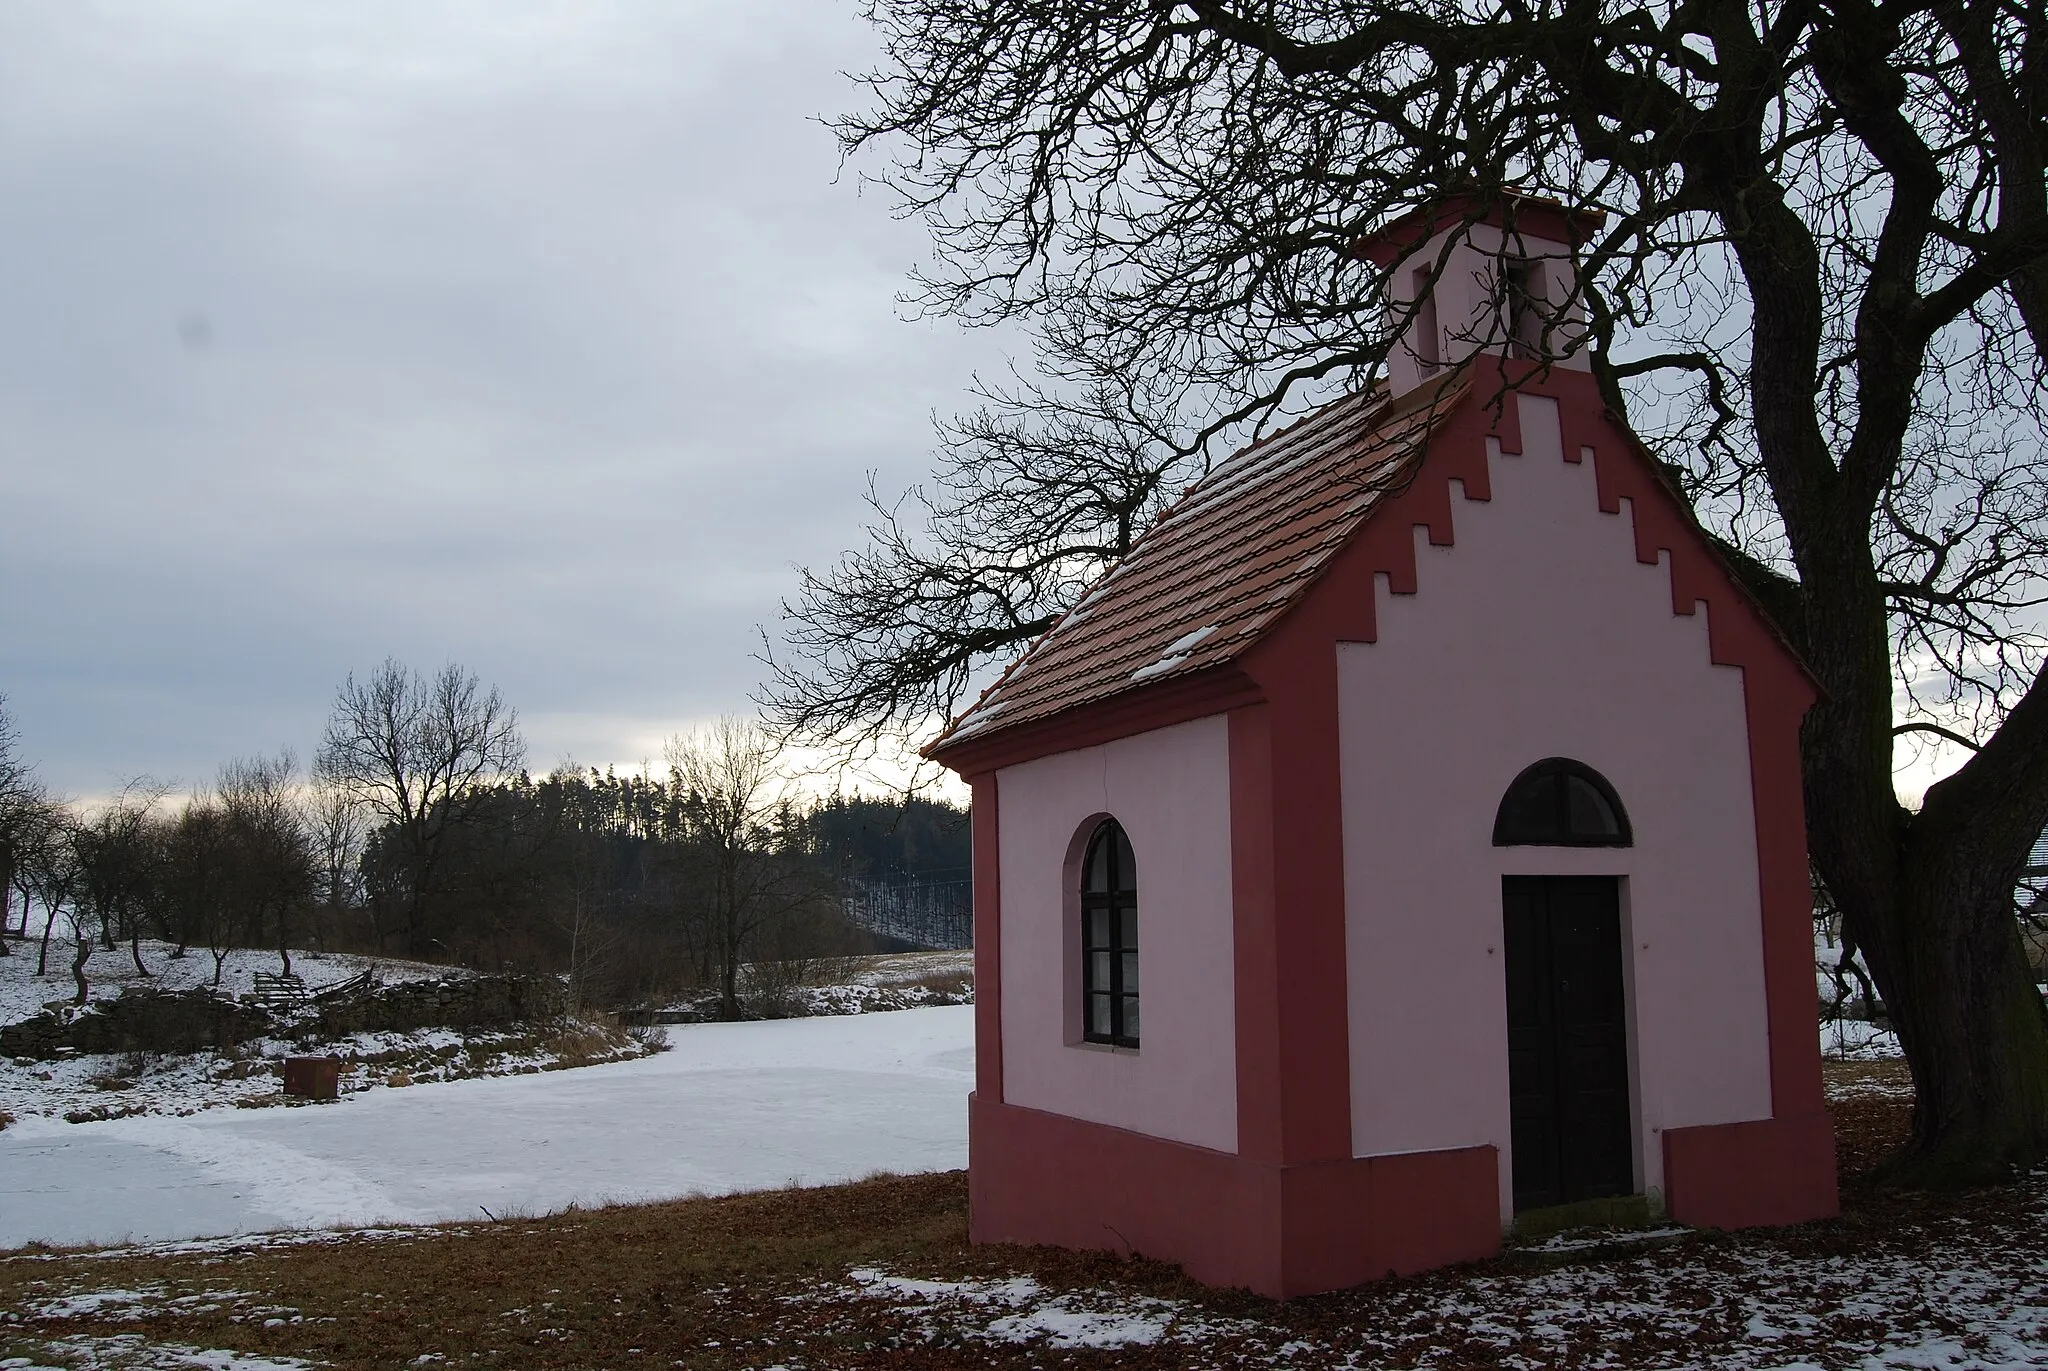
[{"x": 1231, "y": 556}]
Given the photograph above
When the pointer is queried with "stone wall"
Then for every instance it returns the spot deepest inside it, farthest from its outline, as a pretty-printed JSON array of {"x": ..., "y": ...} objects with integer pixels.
[
  {"x": 139, "y": 1020},
  {"x": 466, "y": 1002},
  {"x": 145, "y": 1020}
]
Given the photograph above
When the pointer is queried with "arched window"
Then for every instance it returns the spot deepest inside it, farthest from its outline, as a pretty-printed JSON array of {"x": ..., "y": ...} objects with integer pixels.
[
  {"x": 1561, "y": 803},
  {"x": 1109, "y": 938}
]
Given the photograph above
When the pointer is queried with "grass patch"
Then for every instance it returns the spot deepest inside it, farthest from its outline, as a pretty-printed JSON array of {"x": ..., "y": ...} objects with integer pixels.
[{"x": 791, "y": 1278}]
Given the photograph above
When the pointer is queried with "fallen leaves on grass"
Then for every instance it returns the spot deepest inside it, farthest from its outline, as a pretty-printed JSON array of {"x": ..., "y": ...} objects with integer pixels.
[{"x": 879, "y": 1274}]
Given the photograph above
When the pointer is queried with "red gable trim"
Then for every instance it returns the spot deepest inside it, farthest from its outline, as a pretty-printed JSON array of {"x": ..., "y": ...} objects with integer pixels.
[
  {"x": 1455, "y": 451},
  {"x": 1230, "y": 556}
]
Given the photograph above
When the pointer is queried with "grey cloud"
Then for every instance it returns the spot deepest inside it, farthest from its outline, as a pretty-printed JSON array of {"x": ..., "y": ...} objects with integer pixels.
[{"x": 537, "y": 337}]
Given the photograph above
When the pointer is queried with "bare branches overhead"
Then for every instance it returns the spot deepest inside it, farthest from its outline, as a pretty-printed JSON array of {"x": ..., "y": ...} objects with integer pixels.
[
  {"x": 1820, "y": 288},
  {"x": 1166, "y": 192}
]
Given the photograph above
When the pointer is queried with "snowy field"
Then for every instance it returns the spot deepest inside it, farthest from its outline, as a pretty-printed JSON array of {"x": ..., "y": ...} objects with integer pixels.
[
  {"x": 730, "y": 1107},
  {"x": 23, "y": 993}
]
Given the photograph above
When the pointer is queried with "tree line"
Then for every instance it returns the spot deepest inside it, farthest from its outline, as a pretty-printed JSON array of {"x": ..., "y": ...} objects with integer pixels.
[{"x": 416, "y": 830}]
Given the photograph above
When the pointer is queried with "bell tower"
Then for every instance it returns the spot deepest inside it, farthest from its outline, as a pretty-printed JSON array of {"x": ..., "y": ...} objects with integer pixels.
[{"x": 1473, "y": 275}]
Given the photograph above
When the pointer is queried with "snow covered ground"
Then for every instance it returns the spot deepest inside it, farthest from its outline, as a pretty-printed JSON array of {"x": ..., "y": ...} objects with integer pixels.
[
  {"x": 118, "y": 1084},
  {"x": 112, "y": 1085},
  {"x": 1946, "y": 1293},
  {"x": 852, "y": 985},
  {"x": 1854, "y": 1040},
  {"x": 730, "y": 1107},
  {"x": 23, "y": 993}
]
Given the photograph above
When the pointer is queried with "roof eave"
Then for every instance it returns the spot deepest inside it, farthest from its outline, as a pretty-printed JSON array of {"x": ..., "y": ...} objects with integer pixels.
[{"x": 1152, "y": 704}]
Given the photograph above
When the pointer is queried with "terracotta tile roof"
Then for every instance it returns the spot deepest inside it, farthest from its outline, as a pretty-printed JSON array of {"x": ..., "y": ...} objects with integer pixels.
[{"x": 1221, "y": 566}]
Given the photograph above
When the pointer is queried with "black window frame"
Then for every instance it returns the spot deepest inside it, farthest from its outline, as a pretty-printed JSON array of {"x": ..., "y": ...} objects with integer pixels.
[
  {"x": 1557, "y": 773},
  {"x": 1522, "y": 306},
  {"x": 1118, "y": 899}
]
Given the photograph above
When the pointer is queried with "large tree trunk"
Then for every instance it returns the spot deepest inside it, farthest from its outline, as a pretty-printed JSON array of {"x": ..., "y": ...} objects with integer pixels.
[
  {"x": 1973, "y": 1028},
  {"x": 1972, "y": 1023},
  {"x": 415, "y": 920},
  {"x": 1928, "y": 897}
]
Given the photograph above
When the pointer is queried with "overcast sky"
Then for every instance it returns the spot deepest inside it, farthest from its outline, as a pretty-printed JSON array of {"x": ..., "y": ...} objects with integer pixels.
[{"x": 541, "y": 337}]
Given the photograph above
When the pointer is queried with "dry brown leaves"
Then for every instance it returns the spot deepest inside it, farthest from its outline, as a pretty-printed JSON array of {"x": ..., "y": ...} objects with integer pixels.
[{"x": 879, "y": 1274}]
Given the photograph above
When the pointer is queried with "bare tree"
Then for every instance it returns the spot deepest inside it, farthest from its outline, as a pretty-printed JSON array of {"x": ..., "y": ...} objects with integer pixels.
[
  {"x": 273, "y": 866},
  {"x": 1820, "y": 285},
  {"x": 117, "y": 875},
  {"x": 198, "y": 866},
  {"x": 22, "y": 814},
  {"x": 1037, "y": 494},
  {"x": 420, "y": 755},
  {"x": 747, "y": 881},
  {"x": 594, "y": 937},
  {"x": 50, "y": 860},
  {"x": 337, "y": 823}
]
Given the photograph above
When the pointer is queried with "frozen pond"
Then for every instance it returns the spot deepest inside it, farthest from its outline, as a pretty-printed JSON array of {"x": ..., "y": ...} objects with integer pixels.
[{"x": 729, "y": 1107}]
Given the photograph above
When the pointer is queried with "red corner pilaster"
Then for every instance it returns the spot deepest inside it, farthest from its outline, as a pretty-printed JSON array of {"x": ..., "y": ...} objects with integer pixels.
[
  {"x": 1287, "y": 809},
  {"x": 988, "y": 945},
  {"x": 1777, "y": 701},
  {"x": 1305, "y": 1000}
]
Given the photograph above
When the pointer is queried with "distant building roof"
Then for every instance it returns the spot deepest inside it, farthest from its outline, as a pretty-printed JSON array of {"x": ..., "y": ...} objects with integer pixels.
[{"x": 1223, "y": 564}]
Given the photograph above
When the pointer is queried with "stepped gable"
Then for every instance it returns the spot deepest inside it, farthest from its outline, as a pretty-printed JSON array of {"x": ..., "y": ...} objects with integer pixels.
[{"x": 1223, "y": 564}]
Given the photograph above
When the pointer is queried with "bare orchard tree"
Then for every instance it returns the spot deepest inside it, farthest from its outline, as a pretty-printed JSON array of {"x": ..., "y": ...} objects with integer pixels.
[
  {"x": 1821, "y": 284},
  {"x": 742, "y": 879},
  {"x": 50, "y": 861},
  {"x": 118, "y": 877},
  {"x": 273, "y": 862},
  {"x": 337, "y": 823},
  {"x": 420, "y": 755},
  {"x": 23, "y": 812},
  {"x": 198, "y": 866}
]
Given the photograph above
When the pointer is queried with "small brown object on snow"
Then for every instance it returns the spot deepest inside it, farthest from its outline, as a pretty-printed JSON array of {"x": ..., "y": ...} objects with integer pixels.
[{"x": 313, "y": 1078}]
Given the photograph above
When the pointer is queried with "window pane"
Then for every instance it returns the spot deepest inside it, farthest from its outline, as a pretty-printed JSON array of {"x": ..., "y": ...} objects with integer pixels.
[
  {"x": 1098, "y": 970},
  {"x": 1130, "y": 972},
  {"x": 1529, "y": 813},
  {"x": 1589, "y": 814},
  {"x": 1098, "y": 1015},
  {"x": 1098, "y": 928},
  {"x": 1126, "y": 864},
  {"x": 1562, "y": 802},
  {"x": 1098, "y": 861},
  {"x": 1127, "y": 928},
  {"x": 1130, "y": 1016}
]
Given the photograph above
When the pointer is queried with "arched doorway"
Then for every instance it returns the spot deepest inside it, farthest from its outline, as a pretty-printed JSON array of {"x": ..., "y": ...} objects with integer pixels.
[{"x": 1568, "y": 1084}]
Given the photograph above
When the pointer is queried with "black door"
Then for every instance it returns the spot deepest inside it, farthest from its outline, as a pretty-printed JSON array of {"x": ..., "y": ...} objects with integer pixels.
[{"x": 1567, "y": 1039}]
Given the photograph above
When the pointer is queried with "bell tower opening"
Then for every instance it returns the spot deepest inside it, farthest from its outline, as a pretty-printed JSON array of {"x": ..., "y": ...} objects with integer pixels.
[{"x": 1472, "y": 275}]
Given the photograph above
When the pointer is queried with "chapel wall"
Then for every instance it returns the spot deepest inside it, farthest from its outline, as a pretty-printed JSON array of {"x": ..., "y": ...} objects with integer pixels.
[
  {"x": 1537, "y": 633},
  {"x": 1170, "y": 789}
]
